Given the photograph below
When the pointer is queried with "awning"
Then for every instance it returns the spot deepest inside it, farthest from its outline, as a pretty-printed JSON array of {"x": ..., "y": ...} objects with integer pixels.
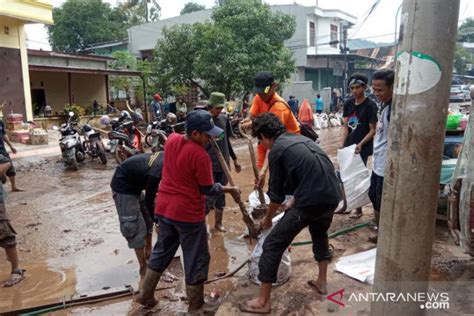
[{"x": 85, "y": 70}]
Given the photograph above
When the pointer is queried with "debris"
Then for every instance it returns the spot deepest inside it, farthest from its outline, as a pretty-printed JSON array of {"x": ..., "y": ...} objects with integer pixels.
[
  {"x": 67, "y": 230},
  {"x": 32, "y": 225},
  {"x": 116, "y": 252},
  {"x": 332, "y": 308}
]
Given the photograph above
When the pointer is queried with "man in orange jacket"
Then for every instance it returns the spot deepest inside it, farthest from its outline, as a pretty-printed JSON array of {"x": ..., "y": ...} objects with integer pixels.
[{"x": 268, "y": 100}]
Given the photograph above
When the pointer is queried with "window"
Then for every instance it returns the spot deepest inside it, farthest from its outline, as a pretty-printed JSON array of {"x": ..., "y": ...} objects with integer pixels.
[
  {"x": 312, "y": 34},
  {"x": 333, "y": 39}
]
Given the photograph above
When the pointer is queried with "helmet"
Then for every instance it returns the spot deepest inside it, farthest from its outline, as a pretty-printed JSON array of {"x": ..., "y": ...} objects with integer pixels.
[
  {"x": 87, "y": 128},
  {"x": 157, "y": 97},
  {"x": 124, "y": 114},
  {"x": 105, "y": 120},
  {"x": 137, "y": 117},
  {"x": 171, "y": 118}
]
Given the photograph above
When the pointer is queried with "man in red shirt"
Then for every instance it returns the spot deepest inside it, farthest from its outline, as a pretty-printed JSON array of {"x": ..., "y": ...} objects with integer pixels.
[{"x": 180, "y": 207}]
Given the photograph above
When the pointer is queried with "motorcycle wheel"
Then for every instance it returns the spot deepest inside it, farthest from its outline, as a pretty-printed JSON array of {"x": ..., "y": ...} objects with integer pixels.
[
  {"x": 149, "y": 140},
  {"x": 101, "y": 151},
  {"x": 120, "y": 154}
]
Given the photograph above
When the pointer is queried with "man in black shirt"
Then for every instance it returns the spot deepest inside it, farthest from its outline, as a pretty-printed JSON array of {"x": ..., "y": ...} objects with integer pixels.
[
  {"x": 138, "y": 173},
  {"x": 300, "y": 168},
  {"x": 215, "y": 105},
  {"x": 360, "y": 118}
]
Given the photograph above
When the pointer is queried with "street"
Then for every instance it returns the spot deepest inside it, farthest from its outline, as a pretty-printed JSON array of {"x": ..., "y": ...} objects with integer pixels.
[{"x": 69, "y": 243}]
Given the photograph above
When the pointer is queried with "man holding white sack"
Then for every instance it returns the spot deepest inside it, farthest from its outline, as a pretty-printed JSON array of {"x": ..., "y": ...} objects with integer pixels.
[{"x": 300, "y": 168}]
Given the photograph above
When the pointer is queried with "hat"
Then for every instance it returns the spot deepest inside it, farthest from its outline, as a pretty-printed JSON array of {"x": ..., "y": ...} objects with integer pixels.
[
  {"x": 216, "y": 100},
  {"x": 263, "y": 79},
  {"x": 157, "y": 97},
  {"x": 201, "y": 105},
  {"x": 201, "y": 121}
]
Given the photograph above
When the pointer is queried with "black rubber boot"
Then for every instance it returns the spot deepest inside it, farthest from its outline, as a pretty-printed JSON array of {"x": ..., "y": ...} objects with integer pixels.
[
  {"x": 146, "y": 296},
  {"x": 195, "y": 295},
  {"x": 218, "y": 220}
]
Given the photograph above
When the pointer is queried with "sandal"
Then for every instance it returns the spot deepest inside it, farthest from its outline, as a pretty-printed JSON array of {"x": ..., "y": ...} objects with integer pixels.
[
  {"x": 16, "y": 277},
  {"x": 246, "y": 308},
  {"x": 313, "y": 284},
  {"x": 355, "y": 214}
]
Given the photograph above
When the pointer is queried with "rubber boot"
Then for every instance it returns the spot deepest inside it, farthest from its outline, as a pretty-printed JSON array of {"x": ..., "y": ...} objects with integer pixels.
[
  {"x": 195, "y": 295},
  {"x": 146, "y": 296},
  {"x": 218, "y": 220}
]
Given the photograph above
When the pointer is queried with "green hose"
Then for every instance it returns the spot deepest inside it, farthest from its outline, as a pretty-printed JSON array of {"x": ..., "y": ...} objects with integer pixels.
[{"x": 335, "y": 234}]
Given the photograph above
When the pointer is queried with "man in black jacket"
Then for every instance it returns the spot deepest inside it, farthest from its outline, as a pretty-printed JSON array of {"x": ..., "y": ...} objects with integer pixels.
[
  {"x": 300, "y": 168},
  {"x": 136, "y": 213}
]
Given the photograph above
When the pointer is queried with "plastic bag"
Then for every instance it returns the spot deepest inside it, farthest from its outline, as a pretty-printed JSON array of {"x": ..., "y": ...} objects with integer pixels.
[
  {"x": 355, "y": 177},
  {"x": 254, "y": 200},
  {"x": 284, "y": 270},
  {"x": 317, "y": 122},
  {"x": 453, "y": 121}
]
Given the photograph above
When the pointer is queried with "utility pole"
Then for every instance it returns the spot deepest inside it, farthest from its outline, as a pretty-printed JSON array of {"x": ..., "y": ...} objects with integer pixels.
[
  {"x": 417, "y": 131},
  {"x": 345, "y": 26},
  {"x": 146, "y": 10}
]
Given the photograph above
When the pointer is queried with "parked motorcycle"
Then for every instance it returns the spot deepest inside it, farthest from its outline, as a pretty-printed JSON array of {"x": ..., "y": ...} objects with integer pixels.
[
  {"x": 92, "y": 144},
  {"x": 127, "y": 139},
  {"x": 70, "y": 143},
  {"x": 158, "y": 131}
]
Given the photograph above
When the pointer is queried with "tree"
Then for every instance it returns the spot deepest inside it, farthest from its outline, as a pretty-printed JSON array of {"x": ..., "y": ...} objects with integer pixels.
[
  {"x": 80, "y": 23},
  {"x": 461, "y": 59},
  {"x": 192, "y": 7},
  {"x": 132, "y": 86},
  {"x": 225, "y": 55},
  {"x": 466, "y": 31},
  {"x": 136, "y": 11}
]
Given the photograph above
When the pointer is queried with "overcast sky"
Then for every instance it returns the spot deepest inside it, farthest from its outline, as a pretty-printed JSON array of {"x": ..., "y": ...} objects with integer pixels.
[{"x": 379, "y": 26}]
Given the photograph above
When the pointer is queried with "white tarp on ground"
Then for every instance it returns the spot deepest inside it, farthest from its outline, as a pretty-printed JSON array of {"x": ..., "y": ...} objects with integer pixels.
[
  {"x": 360, "y": 266},
  {"x": 355, "y": 176}
]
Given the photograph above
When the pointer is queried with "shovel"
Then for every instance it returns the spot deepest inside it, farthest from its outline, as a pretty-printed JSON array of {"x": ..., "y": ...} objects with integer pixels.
[
  {"x": 253, "y": 228},
  {"x": 260, "y": 211}
]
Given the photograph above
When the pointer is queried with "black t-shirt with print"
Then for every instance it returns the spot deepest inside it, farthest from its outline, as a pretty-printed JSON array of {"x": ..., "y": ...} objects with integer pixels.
[{"x": 358, "y": 119}]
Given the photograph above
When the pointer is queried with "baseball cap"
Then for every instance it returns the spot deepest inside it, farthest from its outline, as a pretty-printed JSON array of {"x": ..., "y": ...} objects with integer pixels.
[
  {"x": 202, "y": 121},
  {"x": 263, "y": 79}
]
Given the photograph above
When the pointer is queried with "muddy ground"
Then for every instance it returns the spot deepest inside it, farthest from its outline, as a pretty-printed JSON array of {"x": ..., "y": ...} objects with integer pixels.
[{"x": 70, "y": 244}]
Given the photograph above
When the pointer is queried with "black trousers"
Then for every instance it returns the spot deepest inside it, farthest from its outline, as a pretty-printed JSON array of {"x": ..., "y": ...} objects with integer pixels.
[
  {"x": 375, "y": 194},
  {"x": 317, "y": 219},
  {"x": 193, "y": 240}
]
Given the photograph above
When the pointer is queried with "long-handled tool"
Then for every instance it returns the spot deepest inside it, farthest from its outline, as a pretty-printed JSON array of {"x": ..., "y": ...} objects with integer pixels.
[
  {"x": 253, "y": 229},
  {"x": 261, "y": 196}
]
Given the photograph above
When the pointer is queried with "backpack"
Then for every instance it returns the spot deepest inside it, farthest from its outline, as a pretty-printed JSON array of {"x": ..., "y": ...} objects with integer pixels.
[{"x": 306, "y": 130}]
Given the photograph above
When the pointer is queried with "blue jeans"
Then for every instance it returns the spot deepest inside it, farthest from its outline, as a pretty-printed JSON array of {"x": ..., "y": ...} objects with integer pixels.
[{"x": 193, "y": 240}]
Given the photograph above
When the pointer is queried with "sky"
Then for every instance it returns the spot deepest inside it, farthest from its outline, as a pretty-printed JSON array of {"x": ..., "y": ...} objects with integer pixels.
[{"x": 378, "y": 27}]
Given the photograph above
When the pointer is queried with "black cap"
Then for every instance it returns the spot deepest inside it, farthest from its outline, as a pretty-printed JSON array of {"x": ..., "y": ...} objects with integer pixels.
[
  {"x": 263, "y": 79},
  {"x": 202, "y": 121}
]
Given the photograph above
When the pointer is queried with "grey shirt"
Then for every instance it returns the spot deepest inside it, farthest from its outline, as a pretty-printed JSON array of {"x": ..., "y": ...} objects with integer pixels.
[{"x": 381, "y": 140}]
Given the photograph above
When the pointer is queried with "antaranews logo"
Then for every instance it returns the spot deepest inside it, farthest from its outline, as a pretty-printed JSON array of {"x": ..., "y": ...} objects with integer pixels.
[{"x": 427, "y": 300}]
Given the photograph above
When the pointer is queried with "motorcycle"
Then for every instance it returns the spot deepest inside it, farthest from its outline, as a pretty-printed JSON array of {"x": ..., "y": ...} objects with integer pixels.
[
  {"x": 158, "y": 132},
  {"x": 70, "y": 143},
  {"x": 126, "y": 138},
  {"x": 92, "y": 144}
]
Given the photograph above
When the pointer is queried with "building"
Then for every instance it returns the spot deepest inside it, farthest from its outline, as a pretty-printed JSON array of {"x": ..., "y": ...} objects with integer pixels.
[
  {"x": 107, "y": 48},
  {"x": 58, "y": 79},
  {"x": 14, "y": 76},
  {"x": 315, "y": 43}
]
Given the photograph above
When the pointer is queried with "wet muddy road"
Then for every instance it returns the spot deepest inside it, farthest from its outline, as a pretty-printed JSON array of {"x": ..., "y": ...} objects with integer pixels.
[{"x": 70, "y": 242}]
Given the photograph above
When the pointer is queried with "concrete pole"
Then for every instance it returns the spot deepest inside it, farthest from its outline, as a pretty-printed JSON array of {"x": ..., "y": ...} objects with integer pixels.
[{"x": 417, "y": 130}]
